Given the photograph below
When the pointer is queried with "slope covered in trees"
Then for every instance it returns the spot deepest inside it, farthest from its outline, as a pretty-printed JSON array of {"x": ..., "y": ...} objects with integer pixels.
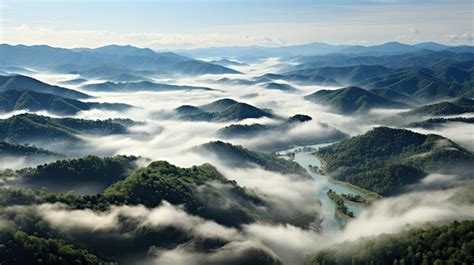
[
  {"x": 449, "y": 244},
  {"x": 244, "y": 130},
  {"x": 17, "y": 247},
  {"x": 20, "y": 82},
  {"x": 33, "y": 101},
  {"x": 352, "y": 100},
  {"x": 384, "y": 160},
  {"x": 138, "y": 86},
  {"x": 122, "y": 57},
  {"x": 238, "y": 156},
  {"x": 202, "y": 190},
  {"x": 456, "y": 107},
  {"x": 221, "y": 110},
  {"x": 30, "y": 151},
  {"x": 90, "y": 173},
  {"x": 26, "y": 128},
  {"x": 437, "y": 122}
]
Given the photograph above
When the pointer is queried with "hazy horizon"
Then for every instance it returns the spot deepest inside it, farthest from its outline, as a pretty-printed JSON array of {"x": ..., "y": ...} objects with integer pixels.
[{"x": 212, "y": 23}]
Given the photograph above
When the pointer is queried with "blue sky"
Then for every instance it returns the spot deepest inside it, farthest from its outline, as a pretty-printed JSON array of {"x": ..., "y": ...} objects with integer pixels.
[{"x": 176, "y": 24}]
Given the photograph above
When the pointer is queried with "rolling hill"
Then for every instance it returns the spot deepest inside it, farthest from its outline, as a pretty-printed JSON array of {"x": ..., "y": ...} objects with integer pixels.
[
  {"x": 43, "y": 57},
  {"x": 352, "y": 100},
  {"x": 90, "y": 174},
  {"x": 32, "y": 128},
  {"x": 429, "y": 245},
  {"x": 439, "y": 122},
  {"x": 386, "y": 160},
  {"x": 413, "y": 85},
  {"x": 11, "y": 100},
  {"x": 138, "y": 86},
  {"x": 28, "y": 151},
  {"x": 280, "y": 86},
  {"x": 456, "y": 107},
  {"x": 20, "y": 82},
  {"x": 220, "y": 110},
  {"x": 238, "y": 156}
]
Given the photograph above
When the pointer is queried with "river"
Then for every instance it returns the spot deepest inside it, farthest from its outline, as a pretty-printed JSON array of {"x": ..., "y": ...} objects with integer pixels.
[{"x": 323, "y": 184}]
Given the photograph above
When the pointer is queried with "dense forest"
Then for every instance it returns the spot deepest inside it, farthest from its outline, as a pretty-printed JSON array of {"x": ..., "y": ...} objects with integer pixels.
[
  {"x": 456, "y": 107},
  {"x": 449, "y": 244},
  {"x": 234, "y": 155},
  {"x": 437, "y": 122},
  {"x": 384, "y": 160},
  {"x": 17, "y": 247},
  {"x": 71, "y": 174},
  {"x": 351, "y": 100},
  {"x": 33, "y": 127},
  {"x": 9, "y": 149},
  {"x": 220, "y": 110}
]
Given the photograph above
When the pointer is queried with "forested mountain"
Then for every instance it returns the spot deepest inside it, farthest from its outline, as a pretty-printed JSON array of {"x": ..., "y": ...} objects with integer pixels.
[
  {"x": 279, "y": 130},
  {"x": 220, "y": 110},
  {"x": 448, "y": 244},
  {"x": 25, "y": 128},
  {"x": 352, "y": 100},
  {"x": 385, "y": 160},
  {"x": 200, "y": 190},
  {"x": 138, "y": 86},
  {"x": 420, "y": 58},
  {"x": 319, "y": 48},
  {"x": 280, "y": 86},
  {"x": 456, "y": 107},
  {"x": 33, "y": 101},
  {"x": 414, "y": 85},
  {"x": 90, "y": 174},
  {"x": 20, "y": 82},
  {"x": 348, "y": 75},
  {"x": 44, "y": 57},
  {"x": 109, "y": 73},
  {"x": 17, "y": 247},
  {"x": 196, "y": 189},
  {"x": 439, "y": 122},
  {"x": 238, "y": 156},
  {"x": 227, "y": 62},
  {"x": 244, "y": 130},
  {"x": 28, "y": 151}
]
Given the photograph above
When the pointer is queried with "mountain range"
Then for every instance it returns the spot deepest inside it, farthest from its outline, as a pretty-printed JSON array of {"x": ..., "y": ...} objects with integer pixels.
[
  {"x": 20, "y": 82},
  {"x": 138, "y": 86},
  {"x": 32, "y": 128},
  {"x": 220, "y": 110},
  {"x": 43, "y": 57},
  {"x": 317, "y": 48},
  {"x": 447, "y": 108},
  {"x": 352, "y": 99},
  {"x": 257, "y": 133},
  {"x": 11, "y": 100},
  {"x": 412, "y": 85}
]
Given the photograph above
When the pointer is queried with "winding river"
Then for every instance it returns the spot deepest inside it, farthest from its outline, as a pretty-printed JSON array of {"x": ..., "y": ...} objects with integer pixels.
[{"x": 304, "y": 157}]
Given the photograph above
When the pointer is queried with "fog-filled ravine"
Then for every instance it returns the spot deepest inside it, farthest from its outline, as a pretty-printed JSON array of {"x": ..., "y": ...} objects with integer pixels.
[{"x": 129, "y": 155}]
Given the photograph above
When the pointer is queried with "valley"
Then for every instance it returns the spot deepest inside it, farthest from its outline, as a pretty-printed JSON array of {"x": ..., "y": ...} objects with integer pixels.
[{"x": 128, "y": 155}]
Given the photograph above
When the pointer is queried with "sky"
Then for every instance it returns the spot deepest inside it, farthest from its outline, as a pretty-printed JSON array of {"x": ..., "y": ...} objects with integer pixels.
[{"x": 166, "y": 24}]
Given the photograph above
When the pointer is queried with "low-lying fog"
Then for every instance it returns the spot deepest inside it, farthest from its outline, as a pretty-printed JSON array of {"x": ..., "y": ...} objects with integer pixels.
[{"x": 170, "y": 140}]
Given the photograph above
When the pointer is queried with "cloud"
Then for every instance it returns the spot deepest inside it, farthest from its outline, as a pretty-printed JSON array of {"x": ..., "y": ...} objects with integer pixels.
[
  {"x": 29, "y": 34},
  {"x": 414, "y": 30},
  {"x": 166, "y": 215},
  {"x": 392, "y": 215},
  {"x": 463, "y": 37}
]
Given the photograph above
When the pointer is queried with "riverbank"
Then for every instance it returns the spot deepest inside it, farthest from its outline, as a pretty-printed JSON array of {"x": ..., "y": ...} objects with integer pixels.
[
  {"x": 341, "y": 210},
  {"x": 369, "y": 196},
  {"x": 333, "y": 221}
]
